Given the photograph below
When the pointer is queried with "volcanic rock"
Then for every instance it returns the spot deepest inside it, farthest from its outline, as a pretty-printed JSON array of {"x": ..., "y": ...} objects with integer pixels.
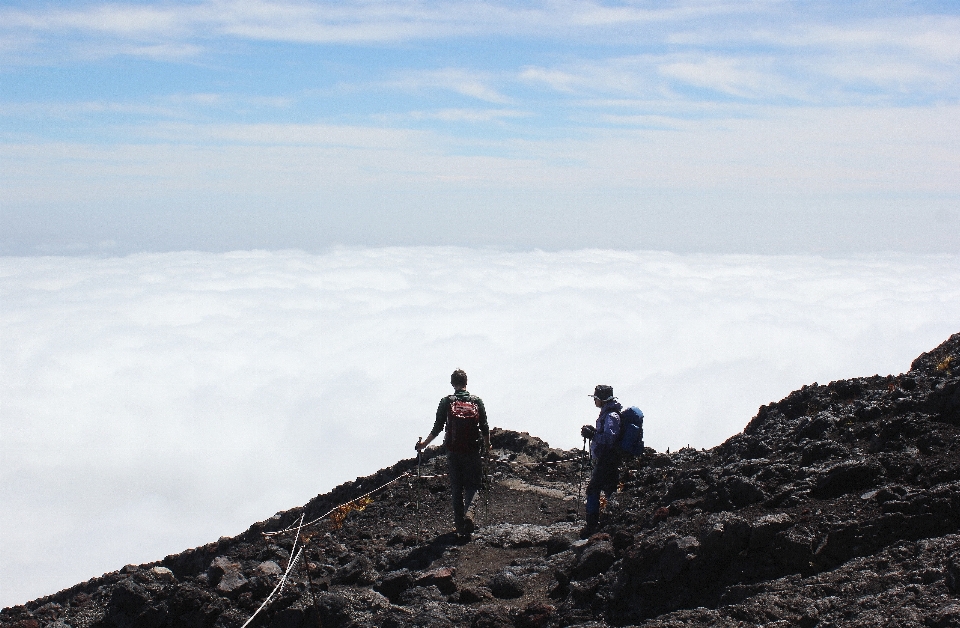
[{"x": 505, "y": 585}]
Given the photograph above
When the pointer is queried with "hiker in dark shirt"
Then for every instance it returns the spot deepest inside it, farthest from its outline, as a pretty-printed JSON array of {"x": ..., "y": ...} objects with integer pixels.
[
  {"x": 604, "y": 454},
  {"x": 464, "y": 418}
]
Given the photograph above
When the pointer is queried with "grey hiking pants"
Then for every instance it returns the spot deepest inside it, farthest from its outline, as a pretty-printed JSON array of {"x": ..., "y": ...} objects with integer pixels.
[{"x": 466, "y": 478}]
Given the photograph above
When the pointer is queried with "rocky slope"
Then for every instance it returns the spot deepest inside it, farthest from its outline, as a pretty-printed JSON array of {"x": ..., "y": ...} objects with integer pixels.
[{"x": 837, "y": 506}]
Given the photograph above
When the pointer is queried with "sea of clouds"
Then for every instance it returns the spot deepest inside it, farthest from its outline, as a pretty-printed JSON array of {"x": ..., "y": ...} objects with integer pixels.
[{"x": 155, "y": 402}]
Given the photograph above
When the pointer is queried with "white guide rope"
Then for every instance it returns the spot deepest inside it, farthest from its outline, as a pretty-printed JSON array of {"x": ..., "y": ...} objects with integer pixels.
[
  {"x": 283, "y": 580},
  {"x": 297, "y": 554}
]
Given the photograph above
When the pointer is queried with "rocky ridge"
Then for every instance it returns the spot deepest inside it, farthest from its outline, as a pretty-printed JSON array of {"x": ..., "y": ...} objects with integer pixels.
[{"x": 836, "y": 506}]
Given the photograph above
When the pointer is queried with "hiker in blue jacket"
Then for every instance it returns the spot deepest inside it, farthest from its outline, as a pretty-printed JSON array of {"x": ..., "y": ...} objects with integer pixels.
[{"x": 604, "y": 454}]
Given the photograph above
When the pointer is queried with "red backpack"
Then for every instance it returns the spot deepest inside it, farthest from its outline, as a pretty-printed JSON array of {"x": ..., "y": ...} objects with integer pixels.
[{"x": 463, "y": 426}]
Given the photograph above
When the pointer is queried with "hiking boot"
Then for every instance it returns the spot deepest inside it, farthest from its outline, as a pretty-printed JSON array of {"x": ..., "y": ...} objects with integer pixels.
[
  {"x": 465, "y": 528},
  {"x": 593, "y": 525},
  {"x": 589, "y": 530}
]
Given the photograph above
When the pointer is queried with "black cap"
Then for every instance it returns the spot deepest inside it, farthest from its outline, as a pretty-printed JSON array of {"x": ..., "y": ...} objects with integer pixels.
[{"x": 602, "y": 392}]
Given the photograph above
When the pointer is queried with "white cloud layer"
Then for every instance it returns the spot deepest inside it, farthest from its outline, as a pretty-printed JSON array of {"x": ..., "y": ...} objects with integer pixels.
[{"x": 155, "y": 402}]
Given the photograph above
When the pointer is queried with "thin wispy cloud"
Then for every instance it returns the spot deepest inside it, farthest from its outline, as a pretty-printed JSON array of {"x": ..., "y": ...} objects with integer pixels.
[
  {"x": 750, "y": 79},
  {"x": 317, "y": 107},
  {"x": 468, "y": 115},
  {"x": 596, "y": 14},
  {"x": 934, "y": 38},
  {"x": 475, "y": 85},
  {"x": 344, "y": 22},
  {"x": 753, "y": 77},
  {"x": 118, "y": 19}
]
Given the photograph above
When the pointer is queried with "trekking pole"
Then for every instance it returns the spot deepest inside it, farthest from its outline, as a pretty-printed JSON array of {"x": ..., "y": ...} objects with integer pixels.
[
  {"x": 487, "y": 486},
  {"x": 580, "y": 483},
  {"x": 419, "y": 457},
  {"x": 313, "y": 596},
  {"x": 490, "y": 486},
  {"x": 416, "y": 488}
]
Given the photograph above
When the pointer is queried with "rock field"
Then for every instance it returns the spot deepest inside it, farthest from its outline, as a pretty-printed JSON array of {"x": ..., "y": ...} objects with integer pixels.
[{"x": 836, "y": 506}]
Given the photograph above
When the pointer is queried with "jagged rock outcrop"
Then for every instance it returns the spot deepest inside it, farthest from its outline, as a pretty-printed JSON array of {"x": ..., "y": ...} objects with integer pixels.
[{"x": 838, "y": 505}]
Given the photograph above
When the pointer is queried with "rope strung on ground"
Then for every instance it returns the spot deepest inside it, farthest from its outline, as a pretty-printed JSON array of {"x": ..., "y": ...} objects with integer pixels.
[
  {"x": 341, "y": 506},
  {"x": 399, "y": 477},
  {"x": 537, "y": 464},
  {"x": 297, "y": 553},
  {"x": 283, "y": 580}
]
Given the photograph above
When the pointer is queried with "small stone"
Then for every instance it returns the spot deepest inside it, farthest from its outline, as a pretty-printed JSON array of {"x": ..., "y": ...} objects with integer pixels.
[
  {"x": 358, "y": 571},
  {"x": 269, "y": 568},
  {"x": 440, "y": 578},
  {"x": 232, "y": 582},
  {"x": 505, "y": 585},
  {"x": 231, "y": 579},
  {"x": 162, "y": 573}
]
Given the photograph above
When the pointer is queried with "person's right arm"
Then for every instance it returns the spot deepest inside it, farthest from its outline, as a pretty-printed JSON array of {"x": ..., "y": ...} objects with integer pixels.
[{"x": 438, "y": 424}]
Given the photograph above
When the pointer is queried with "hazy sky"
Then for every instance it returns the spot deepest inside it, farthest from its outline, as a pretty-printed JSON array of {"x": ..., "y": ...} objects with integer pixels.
[
  {"x": 695, "y": 125},
  {"x": 156, "y": 402}
]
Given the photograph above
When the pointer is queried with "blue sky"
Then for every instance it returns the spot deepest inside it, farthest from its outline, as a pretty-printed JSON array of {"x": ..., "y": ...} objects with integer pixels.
[{"x": 691, "y": 126}]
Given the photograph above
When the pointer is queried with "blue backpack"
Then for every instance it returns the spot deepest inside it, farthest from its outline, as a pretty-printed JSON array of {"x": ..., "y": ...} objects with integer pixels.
[{"x": 631, "y": 430}]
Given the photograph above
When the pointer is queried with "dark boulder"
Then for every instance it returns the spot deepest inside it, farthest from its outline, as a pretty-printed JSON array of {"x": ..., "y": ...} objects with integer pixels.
[
  {"x": 847, "y": 477},
  {"x": 595, "y": 559},
  {"x": 394, "y": 584},
  {"x": 334, "y": 610},
  {"x": 676, "y": 555},
  {"x": 132, "y": 606},
  {"x": 227, "y": 575},
  {"x": 360, "y": 570},
  {"x": 559, "y": 543},
  {"x": 518, "y": 442},
  {"x": 732, "y": 492}
]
